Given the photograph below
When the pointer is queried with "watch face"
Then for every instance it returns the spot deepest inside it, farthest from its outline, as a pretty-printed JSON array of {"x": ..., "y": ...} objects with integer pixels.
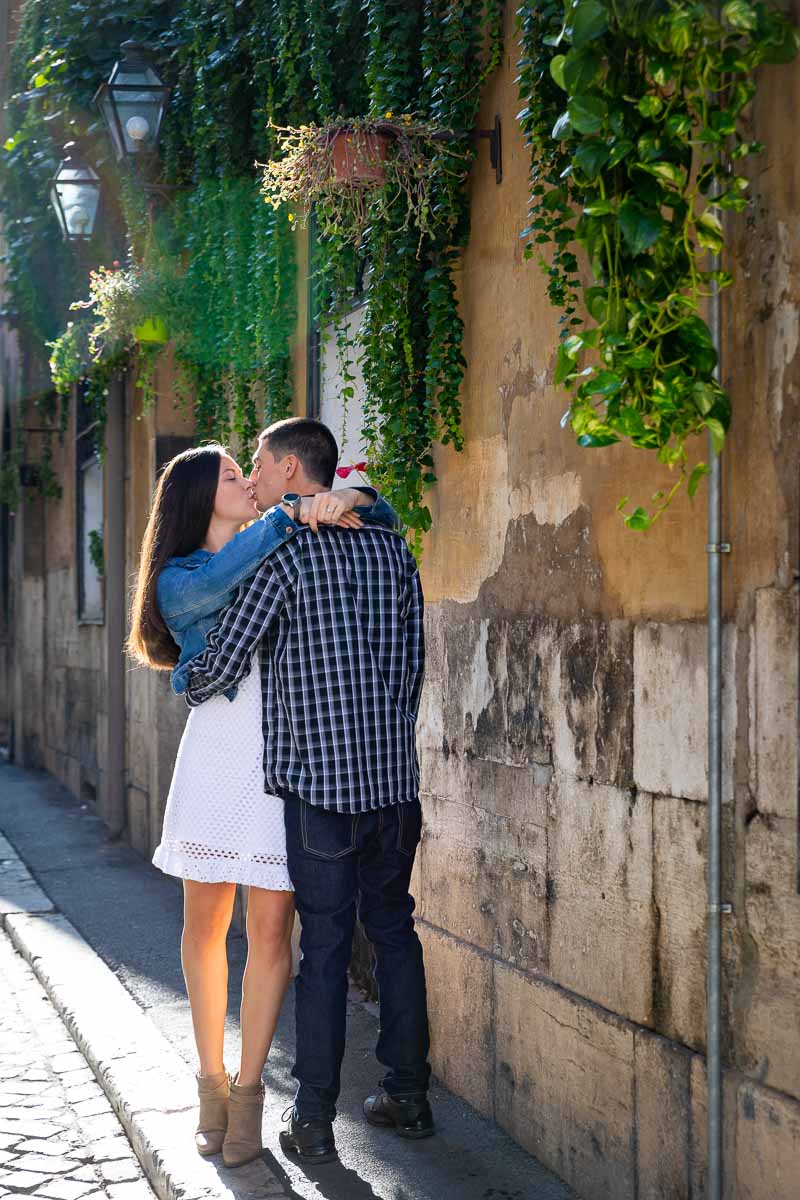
[{"x": 290, "y": 498}]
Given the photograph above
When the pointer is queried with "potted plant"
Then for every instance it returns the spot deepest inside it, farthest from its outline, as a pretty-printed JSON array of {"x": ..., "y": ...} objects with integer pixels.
[
  {"x": 125, "y": 304},
  {"x": 359, "y": 154},
  {"x": 356, "y": 168}
]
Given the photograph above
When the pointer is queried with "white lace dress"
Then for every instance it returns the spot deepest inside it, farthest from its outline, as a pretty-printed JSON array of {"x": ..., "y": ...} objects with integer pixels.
[{"x": 220, "y": 826}]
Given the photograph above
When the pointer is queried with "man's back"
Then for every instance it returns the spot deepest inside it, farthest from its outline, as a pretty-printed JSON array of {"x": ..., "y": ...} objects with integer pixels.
[
  {"x": 339, "y": 618},
  {"x": 342, "y": 670}
]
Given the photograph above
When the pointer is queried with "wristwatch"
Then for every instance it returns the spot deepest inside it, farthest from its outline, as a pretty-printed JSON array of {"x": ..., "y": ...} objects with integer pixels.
[{"x": 293, "y": 500}]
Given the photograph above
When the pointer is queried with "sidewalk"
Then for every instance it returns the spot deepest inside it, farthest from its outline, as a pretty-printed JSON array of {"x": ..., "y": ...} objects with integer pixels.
[
  {"x": 109, "y": 956},
  {"x": 59, "y": 1137}
]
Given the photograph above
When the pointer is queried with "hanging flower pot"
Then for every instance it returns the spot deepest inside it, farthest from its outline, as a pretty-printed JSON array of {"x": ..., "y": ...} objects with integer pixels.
[
  {"x": 357, "y": 169},
  {"x": 152, "y": 329},
  {"x": 358, "y": 156}
]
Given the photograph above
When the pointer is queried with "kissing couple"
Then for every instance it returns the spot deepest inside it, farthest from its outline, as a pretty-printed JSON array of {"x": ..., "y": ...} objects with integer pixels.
[{"x": 298, "y": 644}]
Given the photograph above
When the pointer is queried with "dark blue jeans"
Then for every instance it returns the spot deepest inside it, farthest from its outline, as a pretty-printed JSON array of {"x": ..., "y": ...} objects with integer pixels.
[{"x": 341, "y": 864}]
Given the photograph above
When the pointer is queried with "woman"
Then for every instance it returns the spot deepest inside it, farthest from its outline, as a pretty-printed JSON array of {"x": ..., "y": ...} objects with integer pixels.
[{"x": 220, "y": 829}]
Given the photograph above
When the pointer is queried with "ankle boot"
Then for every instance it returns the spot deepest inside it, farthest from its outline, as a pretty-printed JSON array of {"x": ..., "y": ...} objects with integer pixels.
[
  {"x": 213, "y": 1091},
  {"x": 245, "y": 1112}
]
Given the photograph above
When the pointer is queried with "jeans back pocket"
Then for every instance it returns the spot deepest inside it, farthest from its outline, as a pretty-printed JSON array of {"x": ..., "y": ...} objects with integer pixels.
[{"x": 327, "y": 834}]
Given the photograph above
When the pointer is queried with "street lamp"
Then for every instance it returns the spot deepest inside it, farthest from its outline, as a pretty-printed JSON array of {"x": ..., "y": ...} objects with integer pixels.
[
  {"x": 132, "y": 102},
  {"x": 75, "y": 195}
]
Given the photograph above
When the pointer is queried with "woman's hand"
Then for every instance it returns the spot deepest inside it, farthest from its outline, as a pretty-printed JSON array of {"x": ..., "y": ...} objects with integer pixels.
[{"x": 332, "y": 508}]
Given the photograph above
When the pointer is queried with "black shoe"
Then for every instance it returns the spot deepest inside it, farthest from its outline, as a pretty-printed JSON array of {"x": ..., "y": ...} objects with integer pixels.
[
  {"x": 408, "y": 1118},
  {"x": 312, "y": 1141}
]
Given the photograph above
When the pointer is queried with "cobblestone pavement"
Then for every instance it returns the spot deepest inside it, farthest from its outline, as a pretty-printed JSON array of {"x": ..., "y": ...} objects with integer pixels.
[{"x": 59, "y": 1137}]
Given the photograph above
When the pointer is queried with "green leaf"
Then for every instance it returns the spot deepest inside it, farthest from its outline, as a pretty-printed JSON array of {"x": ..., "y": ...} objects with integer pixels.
[
  {"x": 680, "y": 31},
  {"x": 638, "y": 520},
  {"x": 693, "y": 331},
  {"x": 587, "y": 113},
  {"x": 588, "y": 22},
  {"x": 678, "y": 124},
  {"x": 562, "y": 128},
  {"x": 717, "y": 431},
  {"x": 668, "y": 173},
  {"x": 709, "y": 231},
  {"x": 703, "y": 395},
  {"x": 595, "y": 299},
  {"x": 650, "y": 106},
  {"x": 620, "y": 149},
  {"x": 640, "y": 359},
  {"x": 591, "y": 156},
  {"x": 580, "y": 69},
  {"x": 599, "y": 208},
  {"x": 740, "y": 14},
  {"x": 565, "y": 366},
  {"x": 694, "y": 479},
  {"x": 605, "y": 383},
  {"x": 783, "y": 46},
  {"x": 557, "y": 70},
  {"x": 40, "y": 81},
  {"x": 592, "y": 440},
  {"x": 639, "y": 226}
]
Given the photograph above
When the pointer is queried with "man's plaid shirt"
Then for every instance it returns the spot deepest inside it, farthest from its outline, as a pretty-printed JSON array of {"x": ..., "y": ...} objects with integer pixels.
[{"x": 338, "y": 617}]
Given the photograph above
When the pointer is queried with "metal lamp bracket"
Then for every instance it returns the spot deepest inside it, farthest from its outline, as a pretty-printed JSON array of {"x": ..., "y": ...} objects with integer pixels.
[{"x": 495, "y": 137}]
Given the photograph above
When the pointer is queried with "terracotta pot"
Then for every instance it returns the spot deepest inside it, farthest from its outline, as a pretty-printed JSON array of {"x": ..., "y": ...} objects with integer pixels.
[{"x": 358, "y": 156}]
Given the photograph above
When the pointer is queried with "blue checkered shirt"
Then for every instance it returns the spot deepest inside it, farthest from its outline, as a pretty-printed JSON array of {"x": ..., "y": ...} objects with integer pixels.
[{"x": 338, "y": 616}]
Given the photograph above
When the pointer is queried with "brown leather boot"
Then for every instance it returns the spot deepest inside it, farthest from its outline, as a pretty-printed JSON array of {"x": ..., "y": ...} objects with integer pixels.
[
  {"x": 213, "y": 1091},
  {"x": 245, "y": 1112}
]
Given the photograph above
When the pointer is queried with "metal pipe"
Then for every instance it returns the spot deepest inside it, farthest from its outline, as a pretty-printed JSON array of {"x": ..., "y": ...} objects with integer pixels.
[
  {"x": 114, "y": 808},
  {"x": 714, "y": 550},
  {"x": 714, "y": 805}
]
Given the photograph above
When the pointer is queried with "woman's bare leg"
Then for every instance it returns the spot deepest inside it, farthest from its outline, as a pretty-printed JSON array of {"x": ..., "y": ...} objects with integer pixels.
[
  {"x": 207, "y": 912},
  {"x": 270, "y": 916}
]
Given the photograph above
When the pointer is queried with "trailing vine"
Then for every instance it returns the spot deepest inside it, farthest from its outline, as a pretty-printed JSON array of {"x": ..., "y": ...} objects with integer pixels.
[
  {"x": 634, "y": 114},
  {"x": 217, "y": 266}
]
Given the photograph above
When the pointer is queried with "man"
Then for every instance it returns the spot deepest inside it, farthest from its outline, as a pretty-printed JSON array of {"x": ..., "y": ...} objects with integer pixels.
[{"x": 338, "y": 618}]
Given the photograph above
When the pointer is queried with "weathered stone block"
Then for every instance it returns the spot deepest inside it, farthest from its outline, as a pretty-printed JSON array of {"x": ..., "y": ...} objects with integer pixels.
[
  {"x": 460, "y": 1004},
  {"x": 532, "y": 691},
  {"x": 483, "y": 877},
  {"x": 767, "y": 1145},
  {"x": 138, "y": 824},
  {"x": 565, "y": 1084},
  {"x": 600, "y": 881},
  {"x": 679, "y": 889},
  {"x": 670, "y": 734},
  {"x": 590, "y": 701},
  {"x": 773, "y": 701},
  {"x": 662, "y": 1118},
  {"x": 770, "y": 991}
]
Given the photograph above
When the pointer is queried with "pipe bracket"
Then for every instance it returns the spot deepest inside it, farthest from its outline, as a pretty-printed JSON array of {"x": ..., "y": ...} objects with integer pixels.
[
  {"x": 718, "y": 548},
  {"x": 725, "y": 909}
]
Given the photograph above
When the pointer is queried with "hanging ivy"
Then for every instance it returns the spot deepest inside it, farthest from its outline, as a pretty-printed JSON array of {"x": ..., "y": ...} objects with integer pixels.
[
  {"x": 217, "y": 267},
  {"x": 636, "y": 119}
]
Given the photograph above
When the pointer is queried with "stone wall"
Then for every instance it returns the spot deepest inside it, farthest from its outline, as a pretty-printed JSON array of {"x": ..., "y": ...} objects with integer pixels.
[{"x": 561, "y": 878}]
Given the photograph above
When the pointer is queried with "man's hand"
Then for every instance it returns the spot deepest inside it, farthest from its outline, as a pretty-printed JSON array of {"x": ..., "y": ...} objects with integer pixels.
[{"x": 332, "y": 508}]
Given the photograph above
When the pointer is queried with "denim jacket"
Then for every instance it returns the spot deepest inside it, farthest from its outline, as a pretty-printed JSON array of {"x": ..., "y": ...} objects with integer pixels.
[{"x": 193, "y": 588}]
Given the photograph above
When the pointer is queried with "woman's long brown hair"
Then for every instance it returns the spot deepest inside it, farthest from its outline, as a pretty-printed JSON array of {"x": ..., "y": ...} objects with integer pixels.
[{"x": 183, "y": 505}]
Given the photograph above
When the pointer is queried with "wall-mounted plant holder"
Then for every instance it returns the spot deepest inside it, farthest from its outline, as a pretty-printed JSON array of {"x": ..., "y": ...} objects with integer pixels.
[{"x": 495, "y": 139}]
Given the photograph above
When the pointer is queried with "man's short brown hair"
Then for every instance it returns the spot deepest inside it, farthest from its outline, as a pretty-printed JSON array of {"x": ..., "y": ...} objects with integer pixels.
[{"x": 310, "y": 441}]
